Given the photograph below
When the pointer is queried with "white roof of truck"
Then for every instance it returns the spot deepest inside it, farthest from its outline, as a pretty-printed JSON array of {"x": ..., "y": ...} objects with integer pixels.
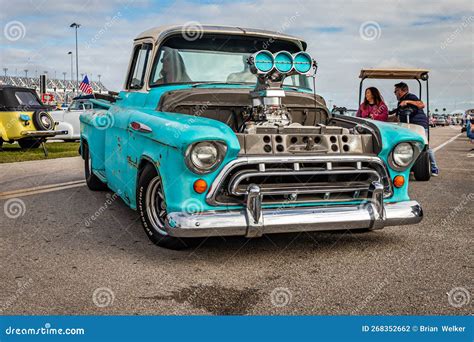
[{"x": 161, "y": 32}]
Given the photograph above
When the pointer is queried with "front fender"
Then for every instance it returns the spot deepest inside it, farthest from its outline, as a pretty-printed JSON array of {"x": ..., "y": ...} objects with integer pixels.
[
  {"x": 391, "y": 135},
  {"x": 165, "y": 146}
]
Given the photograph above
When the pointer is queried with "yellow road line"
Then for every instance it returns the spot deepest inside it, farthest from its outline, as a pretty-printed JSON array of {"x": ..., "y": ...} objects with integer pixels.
[{"x": 41, "y": 189}]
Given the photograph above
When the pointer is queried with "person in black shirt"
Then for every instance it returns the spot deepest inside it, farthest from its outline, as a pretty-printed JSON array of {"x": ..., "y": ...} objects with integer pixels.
[{"x": 410, "y": 110}]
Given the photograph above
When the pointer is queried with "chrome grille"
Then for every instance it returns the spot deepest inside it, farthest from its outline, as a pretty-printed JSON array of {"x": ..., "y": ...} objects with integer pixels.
[{"x": 299, "y": 179}]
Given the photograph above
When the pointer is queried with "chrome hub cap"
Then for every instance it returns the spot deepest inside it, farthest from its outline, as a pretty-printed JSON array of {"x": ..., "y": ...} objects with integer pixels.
[{"x": 155, "y": 205}]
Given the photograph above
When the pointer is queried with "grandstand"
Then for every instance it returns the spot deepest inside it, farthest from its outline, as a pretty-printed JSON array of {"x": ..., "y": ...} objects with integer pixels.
[{"x": 63, "y": 91}]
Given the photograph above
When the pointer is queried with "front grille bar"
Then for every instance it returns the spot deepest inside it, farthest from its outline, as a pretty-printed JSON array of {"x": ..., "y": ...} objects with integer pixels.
[
  {"x": 236, "y": 183},
  {"x": 236, "y": 180}
]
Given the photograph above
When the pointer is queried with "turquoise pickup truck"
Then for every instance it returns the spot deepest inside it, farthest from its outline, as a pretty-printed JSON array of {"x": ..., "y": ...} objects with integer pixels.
[{"x": 219, "y": 133}]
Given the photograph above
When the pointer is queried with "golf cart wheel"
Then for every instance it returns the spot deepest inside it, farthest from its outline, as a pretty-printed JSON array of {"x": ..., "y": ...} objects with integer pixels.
[
  {"x": 28, "y": 143},
  {"x": 92, "y": 181},
  {"x": 422, "y": 167},
  {"x": 151, "y": 206}
]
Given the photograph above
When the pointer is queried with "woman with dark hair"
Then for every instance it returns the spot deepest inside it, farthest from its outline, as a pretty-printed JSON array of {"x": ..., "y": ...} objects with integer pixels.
[{"x": 373, "y": 106}]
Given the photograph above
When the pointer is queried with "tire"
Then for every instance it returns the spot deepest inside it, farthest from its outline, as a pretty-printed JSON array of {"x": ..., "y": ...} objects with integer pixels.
[
  {"x": 92, "y": 181},
  {"x": 422, "y": 167},
  {"x": 151, "y": 206},
  {"x": 43, "y": 121},
  {"x": 29, "y": 143}
]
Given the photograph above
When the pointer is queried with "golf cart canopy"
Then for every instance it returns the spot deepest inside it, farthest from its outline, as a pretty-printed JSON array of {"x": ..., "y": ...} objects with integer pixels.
[{"x": 395, "y": 73}]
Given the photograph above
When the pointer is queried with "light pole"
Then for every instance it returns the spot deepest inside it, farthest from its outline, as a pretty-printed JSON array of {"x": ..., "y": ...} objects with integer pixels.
[
  {"x": 5, "y": 71},
  {"x": 76, "y": 26},
  {"x": 26, "y": 73},
  {"x": 72, "y": 74}
]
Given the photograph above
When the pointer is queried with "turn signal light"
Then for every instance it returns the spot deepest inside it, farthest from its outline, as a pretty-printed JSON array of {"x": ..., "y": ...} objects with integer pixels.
[
  {"x": 398, "y": 181},
  {"x": 200, "y": 186}
]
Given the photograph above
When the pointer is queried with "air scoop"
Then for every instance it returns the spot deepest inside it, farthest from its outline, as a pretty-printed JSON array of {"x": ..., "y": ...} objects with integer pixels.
[{"x": 271, "y": 70}]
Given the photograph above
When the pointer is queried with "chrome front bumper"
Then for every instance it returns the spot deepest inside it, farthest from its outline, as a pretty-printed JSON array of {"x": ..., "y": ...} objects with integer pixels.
[
  {"x": 39, "y": 134},
  {"x": 254, "y": 221}
]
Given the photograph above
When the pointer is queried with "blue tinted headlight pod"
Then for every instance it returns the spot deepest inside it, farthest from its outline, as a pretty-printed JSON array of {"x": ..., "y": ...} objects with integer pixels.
[
  {"x": 302, "y": 62},
  {"x": 283, "y": 62},
  {"x": 263, "y": 61}
]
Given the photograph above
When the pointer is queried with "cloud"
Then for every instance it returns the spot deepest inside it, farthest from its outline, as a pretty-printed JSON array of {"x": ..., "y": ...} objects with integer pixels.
[{"x": 438, "y": 37}]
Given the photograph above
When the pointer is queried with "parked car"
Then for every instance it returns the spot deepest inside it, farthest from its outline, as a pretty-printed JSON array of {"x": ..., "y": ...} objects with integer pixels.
[
  {"x": 24, "y": 118},
  {"x": 68, "y": 119},
  {"x": 440, "y": 120},
  {"x": 211, "y": 138}
]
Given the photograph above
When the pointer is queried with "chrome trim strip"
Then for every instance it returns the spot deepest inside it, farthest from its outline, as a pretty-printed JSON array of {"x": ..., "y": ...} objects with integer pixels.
[
  {"x": 284, "y": 220},
  {"x": 43, "y": 133}
]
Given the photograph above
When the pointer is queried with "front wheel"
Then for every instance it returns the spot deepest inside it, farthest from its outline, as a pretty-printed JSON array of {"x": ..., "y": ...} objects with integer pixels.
[
  {"x": 422, "y": 167},
  {"x": 151, "y": 206}
]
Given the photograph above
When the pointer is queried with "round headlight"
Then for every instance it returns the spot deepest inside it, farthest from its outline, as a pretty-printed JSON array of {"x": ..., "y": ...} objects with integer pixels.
[
  {"x": 403, "y": 154},
  {"x": 205, "y": 156}
]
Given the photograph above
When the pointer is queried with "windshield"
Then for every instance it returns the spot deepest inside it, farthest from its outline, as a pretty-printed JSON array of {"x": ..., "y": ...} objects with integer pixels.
[
  {"x": 75, "y": 105},
  {"x": 26, "y": 98},
  {"x": 211, "y": 61},
  {"x": 78, "y": 105}
]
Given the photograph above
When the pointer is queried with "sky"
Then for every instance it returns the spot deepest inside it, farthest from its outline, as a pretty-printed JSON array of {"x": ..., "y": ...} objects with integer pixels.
[{"x": 342, "y": 36}]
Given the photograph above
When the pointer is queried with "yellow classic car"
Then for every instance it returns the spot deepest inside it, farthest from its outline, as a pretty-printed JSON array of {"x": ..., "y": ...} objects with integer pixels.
[{"x": 24, "y": 118}]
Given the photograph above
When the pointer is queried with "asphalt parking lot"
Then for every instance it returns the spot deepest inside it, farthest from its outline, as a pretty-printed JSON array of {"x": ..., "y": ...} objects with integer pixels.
[{"x": 56, "y": 260}]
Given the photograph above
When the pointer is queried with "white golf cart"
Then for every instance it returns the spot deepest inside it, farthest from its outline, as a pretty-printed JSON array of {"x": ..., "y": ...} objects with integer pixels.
[{"x": 422, "y": 167}]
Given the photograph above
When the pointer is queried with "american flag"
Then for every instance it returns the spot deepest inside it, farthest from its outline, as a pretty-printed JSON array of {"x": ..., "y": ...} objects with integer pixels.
[{"x": 85, "y": 86}]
